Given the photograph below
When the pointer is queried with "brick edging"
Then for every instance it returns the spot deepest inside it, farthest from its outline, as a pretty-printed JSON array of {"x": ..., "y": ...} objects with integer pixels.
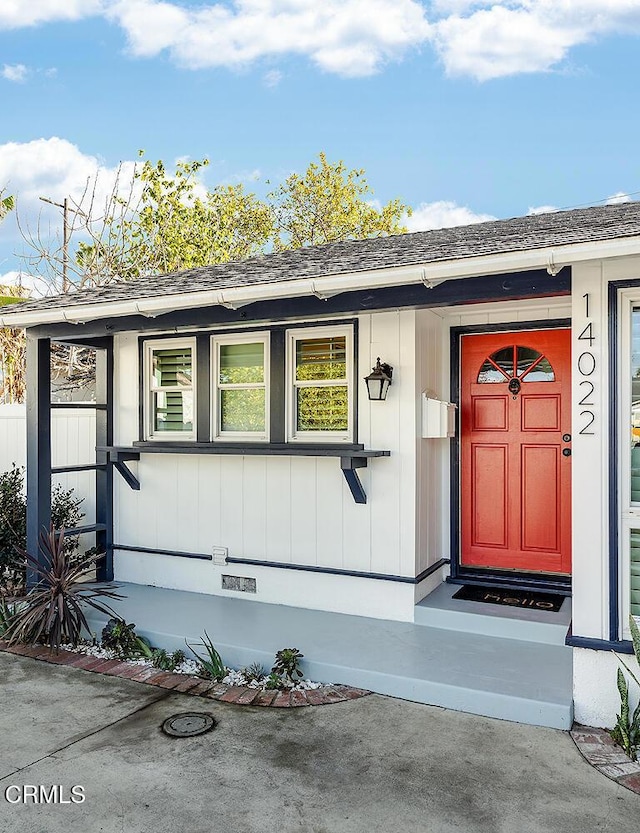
[
  {"x": 599, "y": 749},
  {"x": 186, "y": 684}
]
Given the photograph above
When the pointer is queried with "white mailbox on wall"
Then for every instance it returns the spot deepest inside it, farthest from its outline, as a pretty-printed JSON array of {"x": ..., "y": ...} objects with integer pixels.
[{"x": 438, "y": 417}]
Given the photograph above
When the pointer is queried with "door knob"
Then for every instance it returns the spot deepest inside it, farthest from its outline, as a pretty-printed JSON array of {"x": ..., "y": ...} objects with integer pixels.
[
  {"x": 566, "y": 438},
  {"x": 566, "y": 452}
]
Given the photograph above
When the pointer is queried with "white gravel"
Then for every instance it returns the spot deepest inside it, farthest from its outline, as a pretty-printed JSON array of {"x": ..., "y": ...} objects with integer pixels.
[{"x": 190, "y": 667}]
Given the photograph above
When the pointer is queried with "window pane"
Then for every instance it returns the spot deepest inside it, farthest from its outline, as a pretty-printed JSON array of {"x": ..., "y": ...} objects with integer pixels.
[
  {"x": 242, "y": 409},
  {"x": 542, "y": 372},
  {"x": 635, "y": 572},
  {"x": 525, "y": 357},
  {"x": 321, "y": 358},
  {"x": 489, "y": 373},
  {"x": 241, "y": 363},
  {"x": 173, "y": 411},
  {"x": 504, "y": 359},
  {"x": 322, "y": 409},
  {"x": 172, "y": 368}
]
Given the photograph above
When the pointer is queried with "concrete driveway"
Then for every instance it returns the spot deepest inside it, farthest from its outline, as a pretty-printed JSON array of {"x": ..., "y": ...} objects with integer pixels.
[{"x": 375, "y": 764}]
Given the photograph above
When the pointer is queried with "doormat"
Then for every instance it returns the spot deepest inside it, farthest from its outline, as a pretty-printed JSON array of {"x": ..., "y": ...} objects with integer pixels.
[{"x": 529, "y": 599}]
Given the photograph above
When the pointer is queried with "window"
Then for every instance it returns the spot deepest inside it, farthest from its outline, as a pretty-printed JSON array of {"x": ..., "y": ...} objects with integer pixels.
[
  {"x": 523, "y": 363},
  {"x": 319, "y": 367},
  {"x": 170, "y": 404},
  {"x": 240, "y": 390}
]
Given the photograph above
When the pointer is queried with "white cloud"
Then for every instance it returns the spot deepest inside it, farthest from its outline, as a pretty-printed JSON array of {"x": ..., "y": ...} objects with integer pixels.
[
  {"x": 492, "y": 39},
  {"x": 618, "y": 197},
  {"x": 542, "y": 209},
  {"x": 347, "y": 37},
  {"x": 14, "y": 72},
  {"x": 31, "y": 284},
  {"x": 443, "y": 214},
  {"x": 18, "y": 13},
  {"x": 482, "y": 39},
  {"x": 55, "y": 168}
]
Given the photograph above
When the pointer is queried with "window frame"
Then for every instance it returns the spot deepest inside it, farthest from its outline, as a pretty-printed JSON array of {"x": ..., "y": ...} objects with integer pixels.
[
  {"x": 244, "y": 337},
  {"x": 148, "y": 389},
  {"x": 628, "y": 510},
  {"x": 292, "y": 336}
]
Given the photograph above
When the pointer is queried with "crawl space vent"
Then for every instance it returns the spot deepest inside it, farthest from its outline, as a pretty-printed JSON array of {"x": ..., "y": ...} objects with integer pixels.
[{"x": 239, "y": 583}]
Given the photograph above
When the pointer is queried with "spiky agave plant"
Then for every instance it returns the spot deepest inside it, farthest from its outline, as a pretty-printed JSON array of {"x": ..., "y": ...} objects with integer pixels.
[{"x": 52, "y": 612}]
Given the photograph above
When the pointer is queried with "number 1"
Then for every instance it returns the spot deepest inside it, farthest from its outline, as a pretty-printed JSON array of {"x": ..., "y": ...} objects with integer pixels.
[{"x": 586, "y": 304}]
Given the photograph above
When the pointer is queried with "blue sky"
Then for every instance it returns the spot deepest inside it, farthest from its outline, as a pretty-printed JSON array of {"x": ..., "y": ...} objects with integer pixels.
[{"x": 461, "y": 108}]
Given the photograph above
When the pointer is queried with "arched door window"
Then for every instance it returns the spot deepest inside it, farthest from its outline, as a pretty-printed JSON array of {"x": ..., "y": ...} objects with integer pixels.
[{"x": 516, "y": 362}]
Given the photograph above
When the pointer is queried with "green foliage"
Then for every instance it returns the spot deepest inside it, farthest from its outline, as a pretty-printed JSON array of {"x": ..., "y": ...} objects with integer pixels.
[
  {"x": 627, "y": 730},
  {"x": 274, "y": 682},
  {"x": 177, "y": 224},
  {"x": 53, "y": 611},
  {"x": 253, "y": 672},
  {"x": 211, "y": 665},
  {"x": 8, "y": 612},
  {"x": 165, "y": 661},
  {"x": 120, "y": 637},
  {"x": 287, "y": 664},
  {"x": 326, "y": 204},
  {"x": 65, "y": 514},
  {"x": 7, "y": 204}
]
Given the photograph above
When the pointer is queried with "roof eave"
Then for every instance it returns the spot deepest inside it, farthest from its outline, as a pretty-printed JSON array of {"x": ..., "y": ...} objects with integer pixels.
[{"x": 552, "y": 258}]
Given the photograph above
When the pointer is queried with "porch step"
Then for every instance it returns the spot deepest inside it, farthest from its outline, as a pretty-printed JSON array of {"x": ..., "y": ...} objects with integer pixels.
[
  {"x": 441, "y": 610},
  {"x": 523, "y": 681}
]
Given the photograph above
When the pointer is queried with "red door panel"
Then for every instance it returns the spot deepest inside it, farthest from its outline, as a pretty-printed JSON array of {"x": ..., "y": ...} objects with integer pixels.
[
  {"x": 490, "y": 478},
  {"x": 515, "y": 495}
]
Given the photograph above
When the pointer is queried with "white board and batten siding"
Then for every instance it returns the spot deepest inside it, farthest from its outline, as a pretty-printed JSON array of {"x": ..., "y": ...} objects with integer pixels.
[
  {"x": 73, "y": 442},
  {"x": 291, "y": 510}
]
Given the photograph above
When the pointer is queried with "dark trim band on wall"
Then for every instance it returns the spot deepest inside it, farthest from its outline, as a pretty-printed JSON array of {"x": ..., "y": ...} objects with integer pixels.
[
  {"x": 622, "y": 647},
  {"x": 283, "y": 566},
  {"x": 200, "y": 556},
  {"x": 333, "y": 571}
]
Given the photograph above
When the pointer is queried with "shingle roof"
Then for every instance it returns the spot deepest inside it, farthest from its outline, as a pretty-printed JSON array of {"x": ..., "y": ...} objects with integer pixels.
[{"x": 424, "y": 247}]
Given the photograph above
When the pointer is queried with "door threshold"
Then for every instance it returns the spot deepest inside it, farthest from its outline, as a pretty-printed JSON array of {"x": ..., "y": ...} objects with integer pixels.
[{"x": 544, "y": 584}]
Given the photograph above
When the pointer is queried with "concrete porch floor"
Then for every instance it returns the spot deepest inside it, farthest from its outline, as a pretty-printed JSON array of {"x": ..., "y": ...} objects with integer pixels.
[{"x": 513, "y": 679}]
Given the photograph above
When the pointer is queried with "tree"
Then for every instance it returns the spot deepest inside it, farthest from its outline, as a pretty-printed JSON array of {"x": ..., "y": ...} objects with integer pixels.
[
  {"x": 154, "y": 222},
  {"x": 159, "y": 223},
  {"x": 326, "y": 204},
  {"x": 7, "y": 204}
]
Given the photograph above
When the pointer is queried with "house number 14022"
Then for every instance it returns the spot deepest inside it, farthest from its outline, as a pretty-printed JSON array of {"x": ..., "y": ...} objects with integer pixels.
[{"x": 586, "y": 368}]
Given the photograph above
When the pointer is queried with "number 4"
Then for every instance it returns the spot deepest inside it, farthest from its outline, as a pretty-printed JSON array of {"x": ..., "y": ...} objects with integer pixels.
[{"x": 587, "y": 334}]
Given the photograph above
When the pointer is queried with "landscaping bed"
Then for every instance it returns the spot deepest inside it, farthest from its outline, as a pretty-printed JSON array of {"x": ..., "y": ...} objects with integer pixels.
[{"x": 226, "y": 692}]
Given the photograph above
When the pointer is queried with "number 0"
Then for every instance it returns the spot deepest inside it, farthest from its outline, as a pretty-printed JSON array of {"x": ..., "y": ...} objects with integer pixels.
[{"x": 586, "y": 364}]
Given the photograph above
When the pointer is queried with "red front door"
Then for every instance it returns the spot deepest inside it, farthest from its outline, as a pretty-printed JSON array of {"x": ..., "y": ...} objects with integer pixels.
[{"x": 515, "y": 418}]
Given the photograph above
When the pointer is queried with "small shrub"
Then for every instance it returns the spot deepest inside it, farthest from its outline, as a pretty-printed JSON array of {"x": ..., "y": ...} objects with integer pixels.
[
  {"x": 65, "y": 513},
  {"x": 211, "y": 665},
  {"x": 274, "y": 681},
  {"x": 8, "y": 612},
  {"x": 52, "y": 612},
  {"x": 627, "y": 729},
  {"x": 121, "y": 638},
  {"x": 253, "y": 673},
  {"x": 166, "y": 662},
  {"x": 626, "y": 732},
  {"x": 287, "y": 664}
]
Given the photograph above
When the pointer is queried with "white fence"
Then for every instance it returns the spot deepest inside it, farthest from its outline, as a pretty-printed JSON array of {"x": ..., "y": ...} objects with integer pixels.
[{"x": 73, "y": 433}]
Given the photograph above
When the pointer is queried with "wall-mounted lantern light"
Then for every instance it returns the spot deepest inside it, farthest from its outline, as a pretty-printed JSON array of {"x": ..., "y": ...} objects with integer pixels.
[{"x": 378, "y": 382}]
